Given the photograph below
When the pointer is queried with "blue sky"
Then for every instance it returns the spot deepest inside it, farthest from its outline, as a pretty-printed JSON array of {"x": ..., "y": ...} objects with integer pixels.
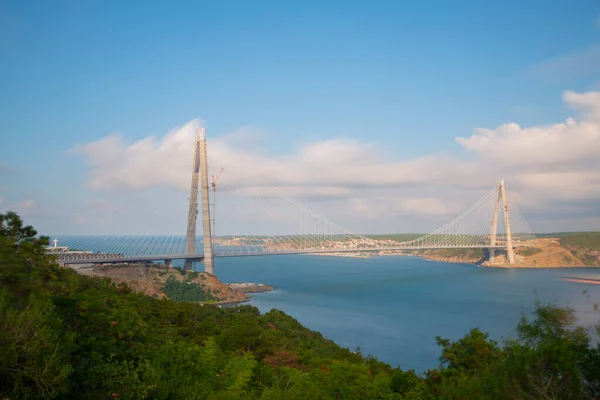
[{"x": 408, "y": 77}]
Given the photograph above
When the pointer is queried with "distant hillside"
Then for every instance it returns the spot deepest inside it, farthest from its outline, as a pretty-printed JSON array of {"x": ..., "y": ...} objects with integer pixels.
[
  {"x": 584, "y": 240},
  {"x": 566, "y": 250},
  {"x": 560, "y": 249},
  {"x": 583, "y": 245},
  {"x": 400, "y": 237}
]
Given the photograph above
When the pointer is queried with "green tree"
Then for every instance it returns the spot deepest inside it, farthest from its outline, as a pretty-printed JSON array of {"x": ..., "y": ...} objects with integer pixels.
[
  {"x": 472, "y": 353},
  {"x": 551, "y": 356},
  {"x": 35, "y": 356},
  {"x": 26, "y": 267}
]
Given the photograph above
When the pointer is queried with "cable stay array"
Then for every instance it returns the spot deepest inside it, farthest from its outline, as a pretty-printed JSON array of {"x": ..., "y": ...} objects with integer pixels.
[
  {"x": 252, "y": 217},
  {"x": 303, "y": 231}
]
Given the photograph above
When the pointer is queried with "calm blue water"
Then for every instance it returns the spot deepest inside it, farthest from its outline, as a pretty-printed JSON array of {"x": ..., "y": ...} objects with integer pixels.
[{"x": 393, "y": 307}]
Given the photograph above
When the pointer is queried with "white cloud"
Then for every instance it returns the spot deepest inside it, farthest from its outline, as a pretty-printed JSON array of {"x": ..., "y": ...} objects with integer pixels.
[
  {"x": 589, "y": 103},
  {"x": 581, "y": 63},
  {"x": 150, "y": 161},
  {"x": 559, "y": 161},
  {"x": 346, "y": 180},
  {"x": 422, "y": 205},
  {"x": 327, "y": 168},
  {"x": 568, "y": 142}
]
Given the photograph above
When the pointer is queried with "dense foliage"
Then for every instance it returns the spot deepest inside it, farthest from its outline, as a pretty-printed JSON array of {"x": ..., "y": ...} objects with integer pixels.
[
  {"x": 583, "y": 245},
  {"x": 476, "y": 254},
  {"x": 67, "y": 336},
  {"x": 187, "y": 290},
  {"x": 582, "y": 240}
]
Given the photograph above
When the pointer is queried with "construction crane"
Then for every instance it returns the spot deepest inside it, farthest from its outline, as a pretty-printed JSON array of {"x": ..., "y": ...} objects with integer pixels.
[{"x": 214, "y": 213}]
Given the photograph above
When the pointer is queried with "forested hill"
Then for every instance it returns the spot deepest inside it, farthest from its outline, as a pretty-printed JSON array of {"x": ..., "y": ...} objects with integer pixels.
[
  {"x": 67, "y": 336},
  {"x": 583, "y": 245}
]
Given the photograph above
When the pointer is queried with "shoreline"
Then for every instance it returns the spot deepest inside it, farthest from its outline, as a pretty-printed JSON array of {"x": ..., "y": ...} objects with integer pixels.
[
  {"x": 453, "y": 261},
  {"x": 249, "y": 294}
]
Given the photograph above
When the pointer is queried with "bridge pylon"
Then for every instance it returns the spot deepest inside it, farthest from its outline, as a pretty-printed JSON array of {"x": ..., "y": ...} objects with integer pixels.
[
  {"x": 199, "y": 176},
  {"x": 209, "y": 257},
  {"x": 510, "y": 252}
]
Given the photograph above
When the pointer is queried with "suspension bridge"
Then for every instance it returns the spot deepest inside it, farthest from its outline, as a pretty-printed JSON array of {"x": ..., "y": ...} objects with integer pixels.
[{"x": 488, "y": 224}]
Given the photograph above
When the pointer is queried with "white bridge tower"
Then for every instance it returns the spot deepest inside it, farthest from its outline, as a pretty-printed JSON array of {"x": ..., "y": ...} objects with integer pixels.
[
  {"x": 199, "y": 175},
  {"x": 510, "y": 252}
]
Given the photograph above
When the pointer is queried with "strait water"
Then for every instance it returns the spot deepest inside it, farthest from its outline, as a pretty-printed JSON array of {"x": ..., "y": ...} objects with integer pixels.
[{"x": 394, "y": 307}]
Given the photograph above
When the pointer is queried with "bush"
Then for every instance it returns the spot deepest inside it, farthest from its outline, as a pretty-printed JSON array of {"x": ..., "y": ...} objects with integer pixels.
[
  {"x": 185, "y": 291},
  {"x": 529, "y": 251}
]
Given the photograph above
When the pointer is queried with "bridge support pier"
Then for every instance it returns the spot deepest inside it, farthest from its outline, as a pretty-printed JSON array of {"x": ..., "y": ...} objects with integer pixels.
[
  {"x": 510, "y": 252},
  {"x": 169, "y": 264}
]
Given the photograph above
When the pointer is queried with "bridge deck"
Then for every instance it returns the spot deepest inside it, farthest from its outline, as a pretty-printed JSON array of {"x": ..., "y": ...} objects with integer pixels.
[{"x": 99, "y": 259}]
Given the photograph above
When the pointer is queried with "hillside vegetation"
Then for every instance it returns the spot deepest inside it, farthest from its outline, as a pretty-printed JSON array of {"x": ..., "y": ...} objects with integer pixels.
[
  {"x": 69, "y": 336},
  {"x": 583, "y": 245},
  {"x": 455, "y": 255},
  {"x": 588, "y": 240},
  {"x": 173, "y": 283},
  {"x": 186, "y": 291},
  {"x": 547, "y": 251}
]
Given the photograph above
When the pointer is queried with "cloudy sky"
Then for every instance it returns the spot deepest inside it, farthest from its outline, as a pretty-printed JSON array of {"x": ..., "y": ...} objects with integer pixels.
[{"x": 380, "y": 116}]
